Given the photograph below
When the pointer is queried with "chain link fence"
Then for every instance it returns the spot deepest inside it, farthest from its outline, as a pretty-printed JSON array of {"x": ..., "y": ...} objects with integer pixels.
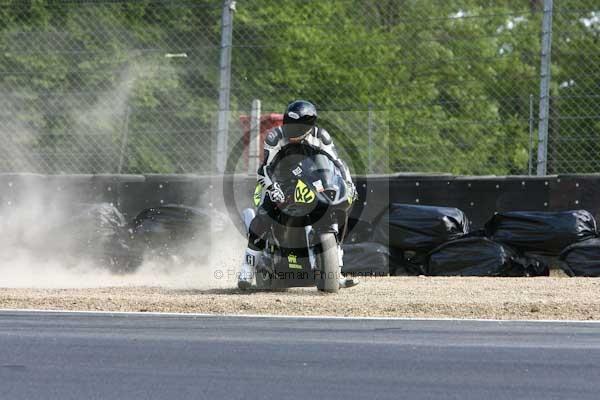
[
  {"x": 108, "y": 86},
  {"x": 574, "y": 120},
  {"x": 429, "y": 86},
  {"x": 449, "y": 81}
]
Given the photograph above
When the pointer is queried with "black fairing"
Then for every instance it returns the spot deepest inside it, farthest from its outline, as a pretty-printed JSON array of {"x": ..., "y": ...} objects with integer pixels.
[
  {"x": 315, "y": 190},
  {"x": 315, "y": 197}
]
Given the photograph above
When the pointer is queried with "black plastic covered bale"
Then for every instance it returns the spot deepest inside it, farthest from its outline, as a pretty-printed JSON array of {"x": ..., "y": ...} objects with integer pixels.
[
  {"x": 582, "y": 259},
  {"x": 359, "y": 231},
  {"x": 481, "y": 257},
  {"x": 169, "y": 223},
  {"x": 96, "y": 233},
  {"x": 105, "y": 229},
  {"x": 167, "y": 231},
  {"x": 87, "y": 224},
  {"x": 407, "y": 263},
  {"x": 420, "y": 228},
  {"x": 541, "y": 232},
  {"x": 367, "y": 259},
  {"x": 103, "y": 237}
]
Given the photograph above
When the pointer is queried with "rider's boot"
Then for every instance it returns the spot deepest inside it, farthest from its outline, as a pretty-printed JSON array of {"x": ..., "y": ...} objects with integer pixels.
[
  {"x": 248, "y": 269},
  {"x": 345, "y": 282}
]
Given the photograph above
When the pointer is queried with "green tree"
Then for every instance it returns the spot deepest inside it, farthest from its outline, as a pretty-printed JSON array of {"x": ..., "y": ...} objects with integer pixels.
[{"x": 438, "y": 75}]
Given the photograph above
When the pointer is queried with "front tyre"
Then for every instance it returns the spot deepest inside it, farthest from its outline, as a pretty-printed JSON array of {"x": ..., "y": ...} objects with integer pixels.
[
  {"x": 328, "y": 275},
  {"x": 263, "y": 280}
]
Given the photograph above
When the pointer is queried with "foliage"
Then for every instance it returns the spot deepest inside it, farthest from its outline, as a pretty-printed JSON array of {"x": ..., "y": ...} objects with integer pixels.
[{"x": 407, "y": 85}]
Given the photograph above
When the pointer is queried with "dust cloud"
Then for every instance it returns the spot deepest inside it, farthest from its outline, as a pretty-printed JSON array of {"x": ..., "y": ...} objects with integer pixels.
[
  {"x": 49, "y": 239},
  {"x": 45, "y": 245}
]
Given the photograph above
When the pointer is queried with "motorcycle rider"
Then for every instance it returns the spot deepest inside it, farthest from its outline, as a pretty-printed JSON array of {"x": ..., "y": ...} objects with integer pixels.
[{"x": 299, "y": 128}]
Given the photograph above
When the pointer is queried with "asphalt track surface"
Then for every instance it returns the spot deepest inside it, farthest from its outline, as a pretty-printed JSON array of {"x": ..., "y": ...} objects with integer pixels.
[{"x": 117, "y": 356}]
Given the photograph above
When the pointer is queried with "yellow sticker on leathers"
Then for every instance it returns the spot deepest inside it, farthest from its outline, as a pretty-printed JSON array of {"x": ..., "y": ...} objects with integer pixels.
[{"x": 293, "y": 262}]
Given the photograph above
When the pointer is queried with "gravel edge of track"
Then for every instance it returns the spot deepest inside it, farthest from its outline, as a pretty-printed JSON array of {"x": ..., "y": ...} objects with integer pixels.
[{"x": 419, "y": 297}]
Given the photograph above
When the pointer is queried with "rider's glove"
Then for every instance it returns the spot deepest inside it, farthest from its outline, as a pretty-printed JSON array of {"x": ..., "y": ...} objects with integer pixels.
[{"x": 275, "y": 193}]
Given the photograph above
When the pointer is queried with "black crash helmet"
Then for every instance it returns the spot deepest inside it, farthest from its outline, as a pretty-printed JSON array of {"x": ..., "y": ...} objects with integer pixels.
[{"x": 299, "y": 118}]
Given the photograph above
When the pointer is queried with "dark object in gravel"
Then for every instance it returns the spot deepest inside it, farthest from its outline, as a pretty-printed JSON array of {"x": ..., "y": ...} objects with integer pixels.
[
  {"x": 582, "y": 259},
  {"x": 359, "y": 231},
  {"x": 541, "y": 232},
  {"x": 174, "y": 232},
  {"x": 420, "y": 228},
  {"x": 481, "y": 257},
  {"x": 367, "y": 259},
  {"x": 95, "y": 233}
]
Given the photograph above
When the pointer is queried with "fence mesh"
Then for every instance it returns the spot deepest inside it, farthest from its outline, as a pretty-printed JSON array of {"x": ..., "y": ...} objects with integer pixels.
[
  {"x": 450, "y": 80},
  {"x": 415, "y": 86},
  {"x": 96, "y": 87},
  {"x": 574, "y": 132}
]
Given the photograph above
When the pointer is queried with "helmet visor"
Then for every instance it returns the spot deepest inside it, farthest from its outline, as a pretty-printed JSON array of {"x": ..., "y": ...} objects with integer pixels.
[{"x": 291, "y": 131}]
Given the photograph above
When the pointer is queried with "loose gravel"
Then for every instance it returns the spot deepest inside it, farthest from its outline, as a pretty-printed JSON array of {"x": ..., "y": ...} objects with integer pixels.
[{"x": 421, "y": 297}]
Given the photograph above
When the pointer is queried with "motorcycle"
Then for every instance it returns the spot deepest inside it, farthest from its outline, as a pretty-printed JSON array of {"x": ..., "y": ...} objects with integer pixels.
[{"x": 302, "y": 244}]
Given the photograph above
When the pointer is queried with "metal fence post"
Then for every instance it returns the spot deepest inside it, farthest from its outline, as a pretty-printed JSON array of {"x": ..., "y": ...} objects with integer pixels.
[
  {"x": 530, "y": 166},
  {"x": 224, "y": 84},
  {"x": 370, "y": 146},
  {"x": 254, "y": 142},
  {"x": 542, "y": 161}
]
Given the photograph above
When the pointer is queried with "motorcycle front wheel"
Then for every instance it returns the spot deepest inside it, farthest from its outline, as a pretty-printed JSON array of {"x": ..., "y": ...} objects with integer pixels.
[
  {"x": 328, "y": 275},
  {"x": 263, "y": 281}
]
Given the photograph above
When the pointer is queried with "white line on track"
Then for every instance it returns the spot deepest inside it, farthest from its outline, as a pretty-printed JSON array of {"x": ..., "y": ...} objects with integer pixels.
[{"x": 307, "y": 317}]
